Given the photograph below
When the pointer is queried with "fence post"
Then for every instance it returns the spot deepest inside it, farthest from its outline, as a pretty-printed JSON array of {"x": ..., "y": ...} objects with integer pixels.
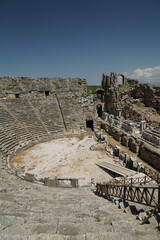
[
  {"x": 157, "y": 177},
  {"x": 159, "y": 197},
  {"x": 145, "y": 180},
  {"x": 124, "y": 192},
  {"x": 107, "y": 189}
]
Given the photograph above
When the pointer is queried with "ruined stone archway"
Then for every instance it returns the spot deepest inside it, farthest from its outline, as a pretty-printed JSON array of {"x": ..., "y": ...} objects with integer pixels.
[
  {"x": 100, "y": 94},
  {"x": 121, "y": 79}
]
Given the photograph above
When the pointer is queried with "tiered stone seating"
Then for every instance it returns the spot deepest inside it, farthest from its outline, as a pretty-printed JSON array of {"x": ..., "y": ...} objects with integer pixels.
[
  {"x": 71, "y": 111},
  {"x": 23, "y": 111},
  {"x": 8, "y": 144},
  {"x": 12, "y": 126},
  {"x": 49, "y": 113},
  {"x": 24, "y": 121},
  {"x": 8, "y": 141}
]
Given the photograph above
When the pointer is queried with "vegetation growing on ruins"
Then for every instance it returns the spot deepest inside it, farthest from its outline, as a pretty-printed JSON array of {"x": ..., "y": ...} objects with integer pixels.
[
  {"x": 139, "y": 104},
  {"x": 125, "y": 87},
  {"x": 91, "y": 89}
]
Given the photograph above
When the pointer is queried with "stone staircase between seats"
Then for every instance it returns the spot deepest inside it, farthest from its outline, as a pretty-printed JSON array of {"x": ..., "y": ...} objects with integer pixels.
[{"x": 32, "y": 211}]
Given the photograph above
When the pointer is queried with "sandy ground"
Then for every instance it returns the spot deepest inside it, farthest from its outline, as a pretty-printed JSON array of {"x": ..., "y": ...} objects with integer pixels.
[{"x": 64, "y": 158}]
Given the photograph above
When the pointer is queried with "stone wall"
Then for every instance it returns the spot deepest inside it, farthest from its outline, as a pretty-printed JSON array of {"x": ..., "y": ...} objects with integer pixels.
[
  {"x": 145, "y": 151},
  {"x": 150, "y": 95},
  {"x": 150, "y": 154},
  {"x": 40, "y": 86},
  {"x": 152, "y": 137}
]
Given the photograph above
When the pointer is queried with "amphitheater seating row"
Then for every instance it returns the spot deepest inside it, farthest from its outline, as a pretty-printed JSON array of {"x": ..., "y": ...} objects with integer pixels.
[
  {"x": 30, "y": 120},
  {"x": 71, "y": 111}
]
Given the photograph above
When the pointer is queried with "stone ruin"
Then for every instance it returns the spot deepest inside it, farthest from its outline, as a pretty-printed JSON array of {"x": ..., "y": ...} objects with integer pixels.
[
  {"x": 132, "y": 115},
  {"x": 128, "y": 161},
  {"x": 33, "y": 110},
  {"x": 36, "y": 110},
  {"x": 119, "y": 99},
  {"x": 152, "y": 136}
]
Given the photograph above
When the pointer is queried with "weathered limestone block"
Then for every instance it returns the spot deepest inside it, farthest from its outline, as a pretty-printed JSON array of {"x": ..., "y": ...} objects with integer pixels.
[
  {"x": 130, "y": 140},
  {"x": 126, "y": 158},
  {"x": 98, "y": 147},
  {"x": 50, "y": 182},
  {"x": 74, "y": 183},
  {"x": 29, "y": 177},
  {"x": 135, "y": 165},
  {"x": 117, "y": 151},
  {"x": 105, "y": 126},
  {"x": 140, "y": 167},
  {"x": 125, "y": 141},
  {"x": 116, "y": 133},
  {"x": 134, "y": 147},
  {"x": 130, "y": 162},
  {"x": 150, "y": 154}
]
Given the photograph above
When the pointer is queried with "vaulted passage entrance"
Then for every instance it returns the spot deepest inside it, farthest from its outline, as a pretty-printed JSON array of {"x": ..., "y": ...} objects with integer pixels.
[
  {"x": 89, "y": 123},
  {"x": 99, "y": 110}
]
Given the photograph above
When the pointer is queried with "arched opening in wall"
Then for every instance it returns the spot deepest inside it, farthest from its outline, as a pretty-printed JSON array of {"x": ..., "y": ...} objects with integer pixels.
[
  {"x": 100, "y": 93},
  {"x": 120, "y": 80},
  {"x": 17, "y": 95},
  {"x": 89, "y": 123},
  {"x": 46, "y": 93},
  {"x": 99, "y": 110}
]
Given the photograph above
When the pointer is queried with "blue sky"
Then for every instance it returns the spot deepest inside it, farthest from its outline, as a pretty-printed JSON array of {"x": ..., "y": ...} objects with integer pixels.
[{"x": 80, "y": 38}]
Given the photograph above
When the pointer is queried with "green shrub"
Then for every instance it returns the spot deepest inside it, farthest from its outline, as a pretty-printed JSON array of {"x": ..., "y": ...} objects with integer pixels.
[{"x": 91, "y": 89}]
